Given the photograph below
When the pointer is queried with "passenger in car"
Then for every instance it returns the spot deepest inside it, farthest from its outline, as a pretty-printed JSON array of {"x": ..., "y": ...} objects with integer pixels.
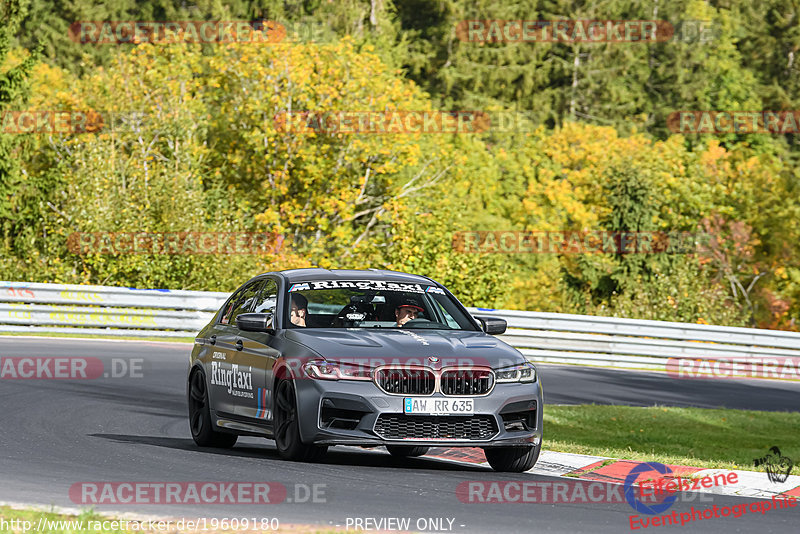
[{"x": 299, "y": 310}]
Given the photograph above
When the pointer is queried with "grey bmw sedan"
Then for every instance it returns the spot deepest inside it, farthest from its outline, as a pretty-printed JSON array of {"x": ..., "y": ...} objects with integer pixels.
[{"x": 314, "y": 358}]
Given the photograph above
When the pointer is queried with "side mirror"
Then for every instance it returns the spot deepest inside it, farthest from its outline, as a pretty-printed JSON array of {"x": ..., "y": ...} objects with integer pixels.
[
  {"x": 492, "y": 325},
  {"x": 255, "y": 322}
]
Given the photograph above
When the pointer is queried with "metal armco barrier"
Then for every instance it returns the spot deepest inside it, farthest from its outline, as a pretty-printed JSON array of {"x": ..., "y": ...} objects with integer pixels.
[
  {"x": 116, "y": 311},
  {"x": 635, "y": 343},
  {"x": 542, "y": 337}
]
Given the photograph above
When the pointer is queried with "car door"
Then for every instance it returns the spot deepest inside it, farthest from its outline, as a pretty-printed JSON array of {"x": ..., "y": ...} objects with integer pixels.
[
  {"x": 259, "y": 358},
  {"x": 216, "y": 354},
  {"x": 228, "y": 381}
]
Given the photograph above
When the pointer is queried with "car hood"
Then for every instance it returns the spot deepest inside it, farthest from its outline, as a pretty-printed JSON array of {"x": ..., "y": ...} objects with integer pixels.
[{"x": 417, "y": 346}]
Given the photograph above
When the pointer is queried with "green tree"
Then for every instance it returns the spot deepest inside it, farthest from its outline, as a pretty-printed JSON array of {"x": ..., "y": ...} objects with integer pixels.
[{"x": 20, "y": 196}]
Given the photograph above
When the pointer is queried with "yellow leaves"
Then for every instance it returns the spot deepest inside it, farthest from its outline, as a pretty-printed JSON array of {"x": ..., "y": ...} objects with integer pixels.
[{"x": 714, "y": 159}]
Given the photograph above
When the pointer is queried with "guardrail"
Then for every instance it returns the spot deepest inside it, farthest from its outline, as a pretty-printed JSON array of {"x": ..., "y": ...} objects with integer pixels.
[
  {"x": 542, "y": 337},
  {"x": 114, "y": 311},
  {"x": 638, "y": 343}
]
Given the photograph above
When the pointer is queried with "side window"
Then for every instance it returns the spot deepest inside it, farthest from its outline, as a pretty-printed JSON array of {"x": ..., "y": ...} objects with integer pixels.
[
  {"x": 243, "y": 303},
  {"x": 226, "y": 314},
  {"x": 268, "y": 299}
]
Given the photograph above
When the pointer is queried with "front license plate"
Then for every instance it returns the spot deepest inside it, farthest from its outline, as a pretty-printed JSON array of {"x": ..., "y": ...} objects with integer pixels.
[{"x": 417, "y": 406}]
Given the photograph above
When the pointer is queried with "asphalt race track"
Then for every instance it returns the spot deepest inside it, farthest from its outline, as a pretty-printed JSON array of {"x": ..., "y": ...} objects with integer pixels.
[{"x": 56, "y": 433}]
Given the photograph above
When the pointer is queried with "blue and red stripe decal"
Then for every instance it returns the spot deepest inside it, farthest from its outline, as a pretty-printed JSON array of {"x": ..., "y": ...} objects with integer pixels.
[{"x": 261, "y": 413}]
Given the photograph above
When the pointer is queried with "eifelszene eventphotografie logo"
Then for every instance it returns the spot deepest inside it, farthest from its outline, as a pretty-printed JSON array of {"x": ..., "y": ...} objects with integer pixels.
[
  {"x": 630, "y": 490},
  {"x": 778, "y": 466}
]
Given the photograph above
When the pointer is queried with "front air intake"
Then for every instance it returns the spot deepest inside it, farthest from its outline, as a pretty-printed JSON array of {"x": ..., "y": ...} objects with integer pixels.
[
  {"x": 401, "y": 381},
  {"x": 467, "y": 382}
]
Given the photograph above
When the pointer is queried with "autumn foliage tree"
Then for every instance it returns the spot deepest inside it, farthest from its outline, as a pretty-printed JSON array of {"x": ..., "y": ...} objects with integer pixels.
[{"x": 194, "y": 138}]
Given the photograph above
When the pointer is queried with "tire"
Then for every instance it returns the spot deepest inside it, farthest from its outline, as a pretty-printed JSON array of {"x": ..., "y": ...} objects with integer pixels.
[
  {"x": 287, "y": 427},
  {"x": 200, "y": 422},
  {"x": 406, "y": 451},
  {"x": 512, "y": 459}
]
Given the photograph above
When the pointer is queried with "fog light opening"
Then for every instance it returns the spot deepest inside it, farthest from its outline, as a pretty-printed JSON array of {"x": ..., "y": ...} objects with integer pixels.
[
  {"x": 519, "y": 421},
  {"x": 339, "y": 419}
]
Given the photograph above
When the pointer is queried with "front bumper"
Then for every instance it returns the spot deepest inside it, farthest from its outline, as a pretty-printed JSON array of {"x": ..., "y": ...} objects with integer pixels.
[{"x": 347, "y": 413}]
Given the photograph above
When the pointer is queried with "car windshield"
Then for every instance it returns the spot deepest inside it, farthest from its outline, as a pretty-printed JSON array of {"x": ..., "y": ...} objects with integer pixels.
[{"x": 373, "y": 304}]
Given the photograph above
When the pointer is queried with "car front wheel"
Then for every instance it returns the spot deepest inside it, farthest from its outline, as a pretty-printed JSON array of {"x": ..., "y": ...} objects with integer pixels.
[
  {"x": 512, "y": 459},
  {"x": 287, "y": 427}
]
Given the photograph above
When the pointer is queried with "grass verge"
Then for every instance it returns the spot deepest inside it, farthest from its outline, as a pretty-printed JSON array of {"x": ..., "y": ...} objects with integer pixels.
[{"x": 718, "y": 438}]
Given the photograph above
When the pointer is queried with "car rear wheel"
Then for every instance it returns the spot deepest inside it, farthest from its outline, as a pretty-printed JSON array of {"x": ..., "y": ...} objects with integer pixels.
[
  {"x": 512, "y": 459},
  {"x": 200, "y": 422},
  {"x": 287, "y": 427},
  {"x": 406, "y": 451}
]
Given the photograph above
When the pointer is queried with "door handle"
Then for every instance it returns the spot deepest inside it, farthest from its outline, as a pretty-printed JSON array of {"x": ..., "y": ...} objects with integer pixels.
[
  {"x": 239, "y": 344},
  {"x": 213, "y": 339}
]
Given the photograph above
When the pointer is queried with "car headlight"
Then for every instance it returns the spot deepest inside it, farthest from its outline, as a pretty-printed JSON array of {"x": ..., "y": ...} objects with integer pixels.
[
  {"x": 519, "y": 373},
  {"x": 325, "y": 370}
]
